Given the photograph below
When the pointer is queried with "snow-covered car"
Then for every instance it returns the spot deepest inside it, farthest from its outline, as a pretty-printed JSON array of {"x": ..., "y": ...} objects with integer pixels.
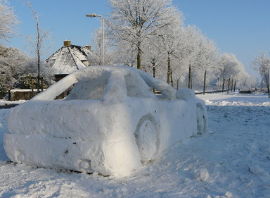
[{"x": 111, "y": 122}]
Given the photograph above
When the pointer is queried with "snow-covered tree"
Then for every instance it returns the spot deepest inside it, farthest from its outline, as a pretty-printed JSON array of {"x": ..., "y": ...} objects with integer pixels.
[
  {"x": 228, "y": 68},
  {"x": 169, "y": 37},
  {"x": 109, "y": 52},
  {"x": 7, "y": 21},
  {"x": 154, "y": 55},
  {"x": 262, "y": 65},
  {"x": 125, "y": 53},
  {"x": 245, "y": 81},
  {"x": 134, "y": 21},
  {"x": 17, "y": 69},
  {"x": 12, "y": 61},
  {"x": 191, "y": 49},
  {"x": 207, "y": 58}
]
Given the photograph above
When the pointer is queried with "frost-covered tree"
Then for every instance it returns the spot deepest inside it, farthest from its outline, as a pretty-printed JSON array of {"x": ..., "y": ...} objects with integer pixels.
[
  {"x": 28, "y": 71},
  {"x": 240, "y": 77},
  {"x": 262, "y": 65},
  {"x": 170, "y": 44},
  {"x": 245, "y": 81},
  {"x": 228, "y": 68},
  {"x": 17, "y": 68},
  {"x": 207, "y": 58},
  {"x": 125, "y": 53},
  {"x": 12, "y": 62},
  {"x": 154, "y": 55},
  {"x": 133, "y": 21},
  {"x": 191, "y": 49},
  {"x": 109, "y": 52},
  {"x": 7, "y": 21},
  {"x": 6, "y": 80},
  {"x": 180, "y": 48}
]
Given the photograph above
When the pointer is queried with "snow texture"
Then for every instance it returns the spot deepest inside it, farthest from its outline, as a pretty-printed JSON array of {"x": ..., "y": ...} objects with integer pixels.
[
  {"x": 110, "y": 122},
  {"x": 235, "y": 152}
]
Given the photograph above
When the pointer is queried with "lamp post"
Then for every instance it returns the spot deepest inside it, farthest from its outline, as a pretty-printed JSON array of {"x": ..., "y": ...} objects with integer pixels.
[{"x": 102, "y": 20}]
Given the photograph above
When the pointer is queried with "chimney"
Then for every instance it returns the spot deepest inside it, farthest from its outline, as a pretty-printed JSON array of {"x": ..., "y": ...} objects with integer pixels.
[
  {"x": 67, "y": 43},
  {"x": 88, "y": 47}
]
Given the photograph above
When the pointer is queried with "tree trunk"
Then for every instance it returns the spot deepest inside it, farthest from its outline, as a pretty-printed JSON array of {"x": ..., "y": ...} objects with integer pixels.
[
  {"x": 171, "y": 78},
  {"x": 204, "y": 82},
  {"x": 268, "y": 90},
  {"x": 232, "y": 85},
  {"x": 42, "y": 84},
  {"x": 169, "y": 69},
  {"x": 139, "y": 57},
  {"x": 38, "y": 54},
  {"x": 189, "y": 76},
  {"x": 223, "y": 84},
  {"x": 154, "y": 74},
  {"x": 228, "y": 86},
  {"x": 32, "y": 87},
  {"x": 38, "y": 85},
  {"x": 154, "y": 69},
  {"x": 267, "y": 84}
]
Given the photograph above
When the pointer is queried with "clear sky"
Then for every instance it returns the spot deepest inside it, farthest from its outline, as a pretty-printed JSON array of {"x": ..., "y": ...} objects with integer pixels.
[{"x": 240, "y": 27}]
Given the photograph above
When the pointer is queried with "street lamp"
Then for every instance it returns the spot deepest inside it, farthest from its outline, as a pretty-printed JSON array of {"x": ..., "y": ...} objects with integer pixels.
[{"x": 102, "y": 20}]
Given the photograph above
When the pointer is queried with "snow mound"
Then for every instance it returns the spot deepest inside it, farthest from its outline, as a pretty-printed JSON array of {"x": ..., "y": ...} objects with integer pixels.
[
  {"x": 257, "y": 170},
  {"x": 201, "y": 175}
]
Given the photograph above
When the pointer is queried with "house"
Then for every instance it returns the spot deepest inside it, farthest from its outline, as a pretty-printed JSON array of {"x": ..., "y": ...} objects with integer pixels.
[{"x": 70, "y": 58}]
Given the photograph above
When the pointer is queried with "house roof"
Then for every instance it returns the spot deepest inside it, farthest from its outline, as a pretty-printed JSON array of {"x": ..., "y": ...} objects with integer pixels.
[{"x": 69, "y": 59}]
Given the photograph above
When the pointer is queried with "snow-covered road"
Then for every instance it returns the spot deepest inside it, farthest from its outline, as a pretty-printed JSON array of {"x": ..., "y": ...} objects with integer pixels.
[{"x": 231, "y": 160}]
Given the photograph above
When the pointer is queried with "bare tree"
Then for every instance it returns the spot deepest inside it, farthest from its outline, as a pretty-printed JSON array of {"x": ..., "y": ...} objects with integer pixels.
[
  {"x": 37, "y": 41},
  {"x": 7, "y": 21},
  {"x": 134, "y": 20}
]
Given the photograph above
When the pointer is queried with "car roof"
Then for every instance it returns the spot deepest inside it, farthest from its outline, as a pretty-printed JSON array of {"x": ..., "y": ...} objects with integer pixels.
[{"x": 117, "y": 72}]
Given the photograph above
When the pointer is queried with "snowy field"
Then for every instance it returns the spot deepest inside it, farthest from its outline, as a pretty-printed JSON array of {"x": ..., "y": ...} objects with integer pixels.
[{"x": 231, "y": 160}]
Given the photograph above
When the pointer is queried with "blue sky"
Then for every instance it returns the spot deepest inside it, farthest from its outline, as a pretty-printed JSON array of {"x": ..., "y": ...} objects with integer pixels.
[{"x": 240, "y": 27}]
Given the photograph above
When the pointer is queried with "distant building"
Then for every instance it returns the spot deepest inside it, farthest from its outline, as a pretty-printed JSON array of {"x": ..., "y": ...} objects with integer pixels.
[{"x": 70, "y": 58}]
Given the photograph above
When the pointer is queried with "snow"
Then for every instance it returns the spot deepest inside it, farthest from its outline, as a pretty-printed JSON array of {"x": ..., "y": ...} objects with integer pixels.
[
  {"x": 231, "y": 160},
  {"x": 110, "y": 122},
  {"x": 6, "y": 102}
]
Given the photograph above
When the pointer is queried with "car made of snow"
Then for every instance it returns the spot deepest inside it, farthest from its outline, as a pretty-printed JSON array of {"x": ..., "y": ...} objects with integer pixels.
[{"x": 111, "y": 122}]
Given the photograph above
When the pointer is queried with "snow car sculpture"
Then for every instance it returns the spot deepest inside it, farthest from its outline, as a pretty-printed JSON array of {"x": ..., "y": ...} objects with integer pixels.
[{"x": 111, "y": 122}]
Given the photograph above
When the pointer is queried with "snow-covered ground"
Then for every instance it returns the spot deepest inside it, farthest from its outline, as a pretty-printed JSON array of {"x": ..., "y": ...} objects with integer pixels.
[
  {"x": 5, "y": 102},
  {"x": 231, "y": 160}
]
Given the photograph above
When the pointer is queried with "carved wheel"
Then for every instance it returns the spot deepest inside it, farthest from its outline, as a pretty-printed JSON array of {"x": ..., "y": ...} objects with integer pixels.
[{"x": 146, "y": 138}]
